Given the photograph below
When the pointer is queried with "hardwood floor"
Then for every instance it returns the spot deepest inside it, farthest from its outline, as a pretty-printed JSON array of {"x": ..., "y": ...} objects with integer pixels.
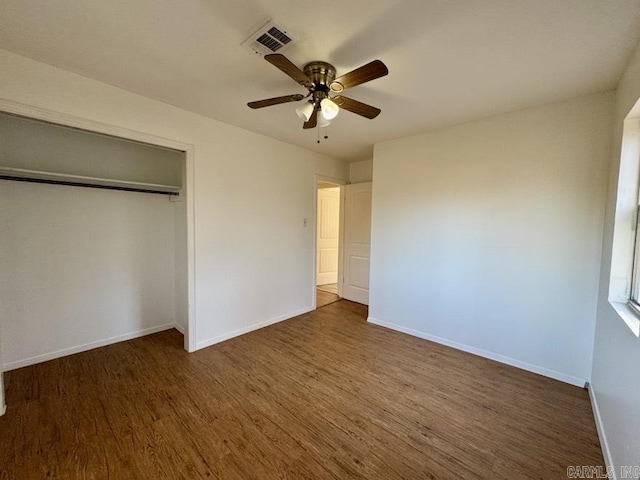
[
  {"x": 321, "y": 396},
  {"x": 325, "y": 298}
]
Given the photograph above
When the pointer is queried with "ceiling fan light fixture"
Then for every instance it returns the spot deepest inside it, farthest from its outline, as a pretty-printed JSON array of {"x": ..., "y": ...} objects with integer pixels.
[
  {"x": 319, "y": 78},
  {"x": 305, "y": 111},
  {"x": 329, "y": 108},
  {"x": 323, "y": 122}
]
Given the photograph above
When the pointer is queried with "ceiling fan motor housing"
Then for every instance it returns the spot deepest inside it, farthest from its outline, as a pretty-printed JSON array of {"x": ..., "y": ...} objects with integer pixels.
[{"x": 321, "y": 74}]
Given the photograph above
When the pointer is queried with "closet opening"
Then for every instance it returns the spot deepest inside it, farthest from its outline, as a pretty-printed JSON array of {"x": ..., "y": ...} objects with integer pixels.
[{"x": 96, "y": 243}]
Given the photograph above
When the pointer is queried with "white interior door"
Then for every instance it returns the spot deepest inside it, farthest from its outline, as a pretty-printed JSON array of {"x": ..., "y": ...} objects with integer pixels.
[
  {"x": 357, "y": 242},
  {"x": 328, "y": 230}
]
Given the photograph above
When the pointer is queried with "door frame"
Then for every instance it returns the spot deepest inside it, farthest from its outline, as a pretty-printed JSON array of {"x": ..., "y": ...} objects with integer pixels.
[
  {"x": 341, "y": 183},
  {"x": 10, "y": 107}
]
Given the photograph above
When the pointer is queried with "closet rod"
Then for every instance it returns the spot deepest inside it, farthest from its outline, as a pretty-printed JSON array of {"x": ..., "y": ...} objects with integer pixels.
[{"x": 86, "y": 185}]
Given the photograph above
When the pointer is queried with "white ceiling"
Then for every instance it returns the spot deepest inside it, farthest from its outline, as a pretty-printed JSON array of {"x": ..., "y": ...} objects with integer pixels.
[{"x": 450, "y": 61}]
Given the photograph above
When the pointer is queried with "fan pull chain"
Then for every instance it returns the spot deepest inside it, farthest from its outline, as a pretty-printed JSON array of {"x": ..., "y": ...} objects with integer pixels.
[{"x": 325, "y": 136}]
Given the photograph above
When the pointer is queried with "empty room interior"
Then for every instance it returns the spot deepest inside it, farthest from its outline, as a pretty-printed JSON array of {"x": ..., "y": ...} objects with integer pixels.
[{"x": 289, "y": 239}]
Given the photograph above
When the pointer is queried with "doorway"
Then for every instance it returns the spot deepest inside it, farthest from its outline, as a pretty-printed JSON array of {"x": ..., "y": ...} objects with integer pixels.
[{"x": 328, "y": 240}]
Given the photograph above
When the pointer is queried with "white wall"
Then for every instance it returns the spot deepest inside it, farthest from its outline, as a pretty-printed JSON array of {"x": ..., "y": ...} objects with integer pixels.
[
  {"x": 487, "y": 235},
  {"x": 237, "y": 211},
  {"x": 360, "y": 172},
  {"x": 615, "y": 381},
  {"x": 80, "y": 266}
]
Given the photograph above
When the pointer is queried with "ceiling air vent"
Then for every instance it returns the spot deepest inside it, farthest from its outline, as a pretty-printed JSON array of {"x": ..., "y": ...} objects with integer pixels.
[{"x": 271, "y": 38}]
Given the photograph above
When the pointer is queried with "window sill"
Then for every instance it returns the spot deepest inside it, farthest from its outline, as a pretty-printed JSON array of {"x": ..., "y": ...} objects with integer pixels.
[{"x": 629, "y": 315}]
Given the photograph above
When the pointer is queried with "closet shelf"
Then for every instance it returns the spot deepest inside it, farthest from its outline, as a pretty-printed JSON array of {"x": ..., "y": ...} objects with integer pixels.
[{"x": 24, "y": 175}]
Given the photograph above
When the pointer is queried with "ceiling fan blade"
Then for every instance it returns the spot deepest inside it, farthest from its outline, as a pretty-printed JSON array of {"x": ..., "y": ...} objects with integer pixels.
[
  {"x": 275, "y": 101},
  {"x": 313, "y": 121},
  {"x": 366, "y": 73},
  {"x": 357, "y": 107},
  {"x": 284, "y": 64}
]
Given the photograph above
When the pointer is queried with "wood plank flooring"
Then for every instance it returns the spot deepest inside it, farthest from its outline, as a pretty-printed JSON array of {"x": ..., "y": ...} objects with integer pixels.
[
  {"x": 325, "y": 298},
  {"x": 321, "y": 396}
]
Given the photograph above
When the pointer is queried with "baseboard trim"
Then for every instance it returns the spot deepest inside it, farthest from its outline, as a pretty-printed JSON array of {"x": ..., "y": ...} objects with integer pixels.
[
  {"x": 579, "y": 382},
  {"x": 83, "y": 348},
  {"x": 255, "y": 326},
  {"x": 604, "y": 444},
  {"x": 180, "y": 328}
]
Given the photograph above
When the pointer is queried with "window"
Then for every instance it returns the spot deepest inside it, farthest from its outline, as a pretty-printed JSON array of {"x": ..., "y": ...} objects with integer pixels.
[
  {"x": 634, "y": 295},
  {"x": 624, "y": 284}
]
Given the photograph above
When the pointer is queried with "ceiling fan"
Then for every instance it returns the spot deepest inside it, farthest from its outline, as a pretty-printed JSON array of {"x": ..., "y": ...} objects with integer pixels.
[{"x": 320, "y": 79}]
